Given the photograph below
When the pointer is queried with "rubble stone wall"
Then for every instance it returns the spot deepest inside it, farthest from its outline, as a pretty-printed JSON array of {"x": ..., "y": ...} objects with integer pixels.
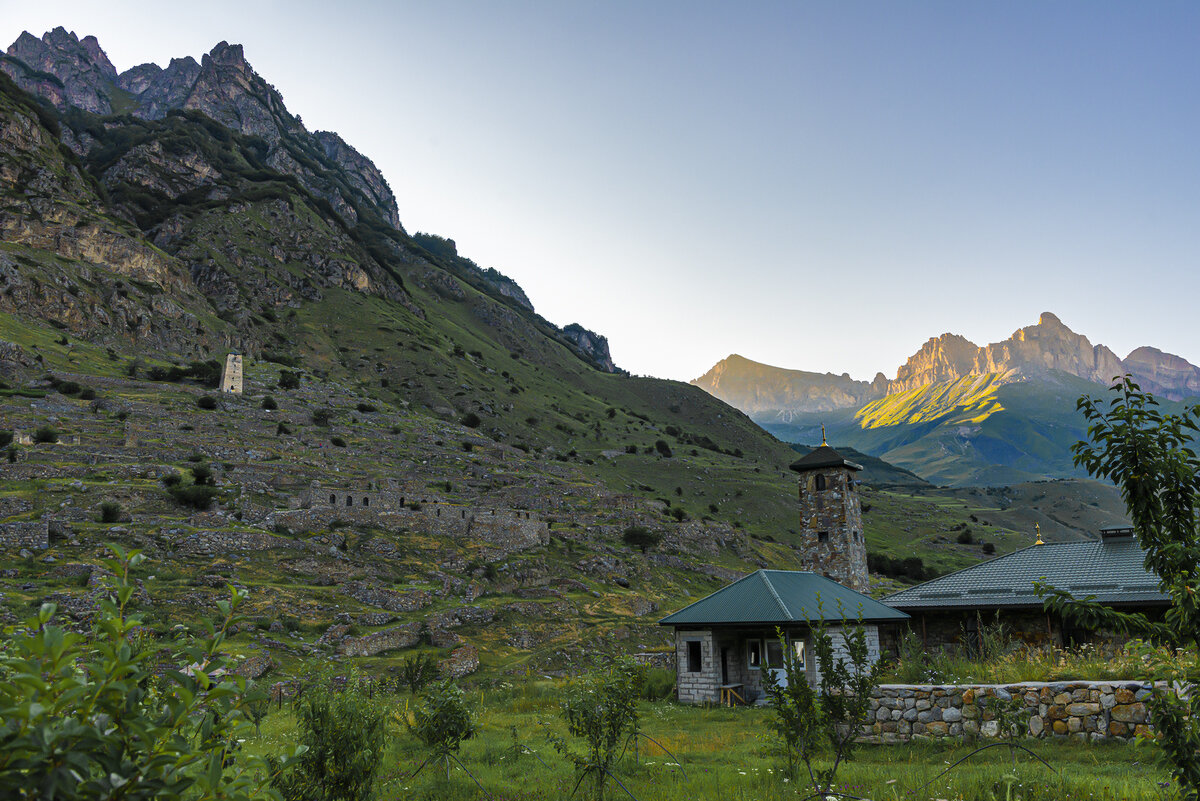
[{"x": 31, "y": 534}]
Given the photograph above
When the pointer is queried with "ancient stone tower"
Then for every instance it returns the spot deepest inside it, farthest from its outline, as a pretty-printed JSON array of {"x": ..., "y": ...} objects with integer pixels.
[
  {"x": 831, "y": 518},
  {"x": 231, "y": 374}
]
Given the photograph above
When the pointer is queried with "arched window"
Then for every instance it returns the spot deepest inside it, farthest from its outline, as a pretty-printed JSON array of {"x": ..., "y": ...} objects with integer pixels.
[
  {"x": 366, "y": 501},
  {"x": 819, "y": 482},
  {"x": 349, "y": 500},
  {"x": 333, "y": 500}
]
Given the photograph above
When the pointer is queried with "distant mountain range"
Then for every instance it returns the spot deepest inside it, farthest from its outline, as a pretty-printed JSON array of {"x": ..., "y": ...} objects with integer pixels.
[{"x": 956, "y": 413}]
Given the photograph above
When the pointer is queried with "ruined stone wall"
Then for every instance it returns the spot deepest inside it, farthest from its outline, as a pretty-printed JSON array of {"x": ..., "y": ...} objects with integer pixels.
[
  {"x": 831, "y": 526},
  {"x": 30, "y": 534},
  {"x": 959, "y": 631},
  {"x": 1110, "y": 710}
]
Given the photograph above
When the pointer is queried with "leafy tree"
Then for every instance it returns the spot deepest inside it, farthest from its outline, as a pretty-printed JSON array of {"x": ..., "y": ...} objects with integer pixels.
[
  {"x": 342, "y": 731},
  {"x": 831, "y": 715},
  {"x": 269, "y": 403},
  {"x": 601, "y": 710},
  {"x": 417, "y": 671},
  {"x": 85, "y": 718},
  {"x": 443, "y": 721},
  {"x": 1149, "y": 456},
  {"x": 641, "y": 537},
  {"x": 289, "y": 380}
]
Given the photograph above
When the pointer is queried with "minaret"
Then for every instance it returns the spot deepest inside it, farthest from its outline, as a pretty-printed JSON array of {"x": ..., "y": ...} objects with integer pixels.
[{"x": 831, "y": 527}]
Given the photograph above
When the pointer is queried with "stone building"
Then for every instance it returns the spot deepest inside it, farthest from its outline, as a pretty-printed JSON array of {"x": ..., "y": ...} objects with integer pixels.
[
  {"x": 231, "y": 374},
  {"x": 950, "y": 611},
  {"x": 831, "y": 517},
  {"x": 725, "y": 641}
]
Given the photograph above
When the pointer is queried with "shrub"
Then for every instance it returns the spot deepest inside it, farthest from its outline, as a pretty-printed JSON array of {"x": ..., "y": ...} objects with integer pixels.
[
  {"x": 196, "y": 496},
  {"x": 631, "y": 449},
  {"x": 679, "y": 513},
  {"x": 45, "y": 434},
  {"x": 965, "y": 538},
  {"x": 417, "y": 671},
  {"x": 87, "y": 393},
  {"x": 171, "y": 480},
  {"x": 658, "y": 684},
  {"x": 281, "y": 428},
  {"x": 641, "y": 537},
  {"x": 69, "y": 388},
  {"x": 6, "y": 438},
  {"x": 366, "y": 408},
  {"x": 338, "y": 441},
  {"x": 110, "y": 512},
  {"x": 443, "y": 721},
  {"x": 321, "y": 417},
  {"x": 470, "y": 420},
  {"x": 206, "y": 402},
  {"x": 289, "y": 380},
  {"x": 269, "y": 404},
  {"x": 202, "y": 475},
  {"x": 663, "y": 448},
  {"x": 989, "y": 548},
  {"x": 84, "y": 714},
  {"x": 601, "y": 710},
  {"x": 342, "y": 731}
]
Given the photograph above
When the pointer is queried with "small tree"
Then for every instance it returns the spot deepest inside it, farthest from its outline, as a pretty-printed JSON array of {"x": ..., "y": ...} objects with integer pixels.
[
  {"x": 808, "y": 720},
  {"x": 443, "y": 721},
  {"x": 641, "y": 537},
  {"x": 45, "y": 434},
  {"x": 342, "y": 731},
  {"x": 84, "y": 717},
  {"x": 416, "y": 672},
  {"x": 1149, "y": 456},
  {"x": 601, "y": 710},
  {"x": 206, "y": 402},
  {"x": 289, "y": 380}
]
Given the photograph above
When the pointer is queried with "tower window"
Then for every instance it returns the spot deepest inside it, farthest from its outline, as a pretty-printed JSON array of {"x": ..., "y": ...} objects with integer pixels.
[
  {"x": 822, "y": 536},
  {"x": 694, "y": 661},
  {"x": 819, "y": 483}
]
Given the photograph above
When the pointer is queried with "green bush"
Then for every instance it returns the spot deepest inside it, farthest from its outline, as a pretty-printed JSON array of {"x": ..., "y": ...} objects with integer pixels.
[
  {"x": 269, "y": 403},
  {"x": 171, "y": 480},
  {"x": 289, "y": 380},
  {"x": 471, "y": 420},
  {"x": 658, "y": 684},
  {"x": 45, "y": 434},
  {"x": 206, "y": 402},
  {"x": 641, "y": 538},
  {"x": 321, "y": 417},
  {"x": 965, "y": 538},
  {"x": 601, "y": 709},
  {"x": 443, "y": 721},
  {"x": 85, "y": 718},
  {"x": 69, "y": 388},
  {"x": 6, "y": 438},
  {"x": 110, "y": 512},
  {"x": 338, "y": 441},
  {"x": 663, "y": 448},
  {"x": 196, "y": 496},
  {"x": 342, "y": 732},
  {"x": 366, "y": 408}
]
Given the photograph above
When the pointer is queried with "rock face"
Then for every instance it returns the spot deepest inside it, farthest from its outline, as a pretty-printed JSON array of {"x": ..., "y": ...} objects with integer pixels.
[
  {"x": 759, "y": 389},
  {"x": 776, "y": 394},
  {"x": 70, "y": 72},
  {"x": 590, "y": 345}
]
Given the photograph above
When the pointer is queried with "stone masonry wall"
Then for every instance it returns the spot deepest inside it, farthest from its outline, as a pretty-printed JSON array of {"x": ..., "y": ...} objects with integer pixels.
[
  {"x": 32, "y": 534},
  {"x": 1075, "y": 710},
  {"x": 697, "y": 688},
  {"x": 831, "y": 527}
]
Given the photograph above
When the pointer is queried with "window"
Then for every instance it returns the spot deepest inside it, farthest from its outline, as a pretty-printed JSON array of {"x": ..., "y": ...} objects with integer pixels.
[
  {"x": 798, "y": 649},
  {"x": 694, "y": 661},
  {"x": 822, "y": 536},
  {"x": 819, "y": 483},
  {"x": 349, "y": 500},
  {"x": 366, "y": 501},
  {"x": 754, "y": 653},
  {"x": 774, "y": 653},
  {"x": 332, "y": 500}
]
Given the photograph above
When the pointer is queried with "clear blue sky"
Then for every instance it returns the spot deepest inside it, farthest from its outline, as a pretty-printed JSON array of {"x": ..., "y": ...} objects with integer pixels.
[{"x": 814, "y": 185}]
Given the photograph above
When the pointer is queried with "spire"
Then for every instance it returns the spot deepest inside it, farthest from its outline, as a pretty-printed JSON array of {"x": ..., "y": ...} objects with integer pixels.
[
  {"x": 823, "y": 442},
  {"x": 1038, "y": 528}
]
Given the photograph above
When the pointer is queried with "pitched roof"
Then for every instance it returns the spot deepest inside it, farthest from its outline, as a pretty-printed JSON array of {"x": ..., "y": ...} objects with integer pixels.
[
  {"x": 780, "y": 597},
  {"x": 1112, "y": 570},
  {"x": 823, "y": 456}
]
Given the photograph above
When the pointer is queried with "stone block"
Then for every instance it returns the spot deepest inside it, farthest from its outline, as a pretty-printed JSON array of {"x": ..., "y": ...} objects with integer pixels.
[
  {"x": 1059, "y": 727},
  {"x": 1082, "y": 709},
  {"x": 1036, "y": 726},
  {"x": 1129, "y": 713},
  {"x": 937, "y": 728},
  {"x": 952, "y": 715}
]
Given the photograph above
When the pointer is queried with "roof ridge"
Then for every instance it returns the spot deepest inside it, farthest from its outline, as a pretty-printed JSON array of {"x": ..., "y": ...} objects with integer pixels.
[{"x": 771, "y": 589}]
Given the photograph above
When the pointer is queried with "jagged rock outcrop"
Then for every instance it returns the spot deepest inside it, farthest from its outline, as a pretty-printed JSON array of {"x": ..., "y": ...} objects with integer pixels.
[
  {"x": 63, "y": 69},
  {"x": 590, "y": 345}
]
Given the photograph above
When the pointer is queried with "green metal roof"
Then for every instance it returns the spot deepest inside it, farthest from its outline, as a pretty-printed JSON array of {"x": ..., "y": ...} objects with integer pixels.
[
  {"x": 823, "y": 456},
  {"x": 1113, "y": 570},
  {"x": 780, "y": 597}
]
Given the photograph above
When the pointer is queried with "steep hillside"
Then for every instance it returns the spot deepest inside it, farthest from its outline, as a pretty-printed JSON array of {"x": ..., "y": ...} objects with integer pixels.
[{"x": 771, "y": 393}]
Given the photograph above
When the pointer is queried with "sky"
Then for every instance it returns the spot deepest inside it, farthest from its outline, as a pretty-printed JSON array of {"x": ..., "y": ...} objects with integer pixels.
[{"x": 818, "y": 186}]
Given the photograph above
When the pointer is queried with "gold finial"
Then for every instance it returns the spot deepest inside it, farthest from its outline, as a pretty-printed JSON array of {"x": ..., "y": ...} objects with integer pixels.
[
  {"x": 823, "y": 442},
  {"x": 1038, "y": 528}
]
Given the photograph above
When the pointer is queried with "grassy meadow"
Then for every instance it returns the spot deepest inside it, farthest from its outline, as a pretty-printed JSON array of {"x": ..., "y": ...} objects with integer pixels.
[{"x": 722, "y": 754}]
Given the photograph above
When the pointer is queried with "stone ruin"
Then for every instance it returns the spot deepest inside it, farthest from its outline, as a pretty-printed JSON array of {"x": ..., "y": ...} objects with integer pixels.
[{"x": 231, "y": 374}]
